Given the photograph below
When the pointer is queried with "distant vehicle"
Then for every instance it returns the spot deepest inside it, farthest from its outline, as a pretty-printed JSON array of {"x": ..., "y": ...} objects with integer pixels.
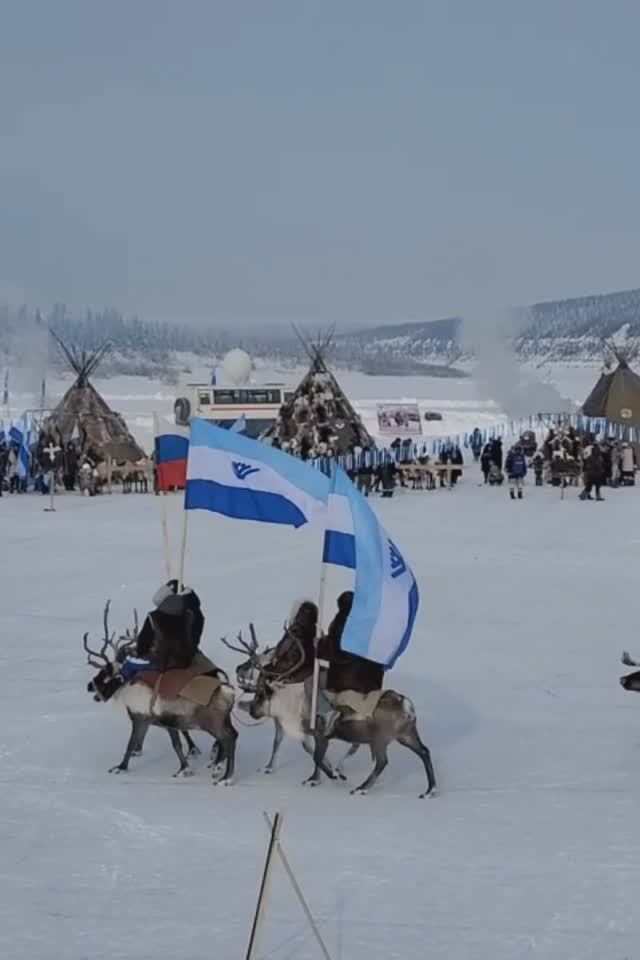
[
  {"x": 222, "y": 405},
  {"x": 432, "y": 415}
]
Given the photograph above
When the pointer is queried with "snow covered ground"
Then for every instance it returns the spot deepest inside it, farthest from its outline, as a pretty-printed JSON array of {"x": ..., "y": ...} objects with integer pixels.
[{"x": 530, "y": 851}]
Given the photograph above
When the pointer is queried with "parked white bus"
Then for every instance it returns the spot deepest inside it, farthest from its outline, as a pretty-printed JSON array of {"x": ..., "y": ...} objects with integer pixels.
[{"x": 223, "y": 405}]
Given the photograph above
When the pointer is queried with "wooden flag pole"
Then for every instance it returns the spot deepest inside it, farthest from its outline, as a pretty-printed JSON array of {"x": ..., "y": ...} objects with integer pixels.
[
  {"x": 52, "y": 489},
  {"x": 322, "y": 594},
  {"x": 258, "y": 920},
  {"x": 163, "y": 509},
  {"x": 299, "y": 894},
  {"x": 183, "y": 550}
]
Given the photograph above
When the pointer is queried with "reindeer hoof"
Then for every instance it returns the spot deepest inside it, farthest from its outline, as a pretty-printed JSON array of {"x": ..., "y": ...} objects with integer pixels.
[
  {"x": 359, "y": 792},
  {"x": 118, "y": 769},
  {"x": 268, "y": 770},
  {"x": 429, "y": 794},
  {"x": 340, "y": 776},
  {"x": 229, "y": 782},
  {"x": 183, "y": 774},
  {"x": 311, "y": 782}
]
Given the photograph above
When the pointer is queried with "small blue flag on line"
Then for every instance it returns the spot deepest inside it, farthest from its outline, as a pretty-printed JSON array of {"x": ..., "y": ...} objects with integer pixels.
[
  {"x": 239, "y": 425},
  {"x": 386, "y": 596},
  {"x": 244, "y": 479}
]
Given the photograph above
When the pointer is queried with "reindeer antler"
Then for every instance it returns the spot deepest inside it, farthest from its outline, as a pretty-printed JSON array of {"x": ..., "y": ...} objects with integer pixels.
[
  {"x": 107, "y": 642},
  {"x": 95, "y": 658},
  {"x": 250, "y": 649}
]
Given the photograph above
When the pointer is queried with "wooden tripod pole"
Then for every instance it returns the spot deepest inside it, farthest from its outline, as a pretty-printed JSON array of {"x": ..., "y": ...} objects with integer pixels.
[
  {"x": 299, "y": 894},
  {"x": 258, "y": 920}
]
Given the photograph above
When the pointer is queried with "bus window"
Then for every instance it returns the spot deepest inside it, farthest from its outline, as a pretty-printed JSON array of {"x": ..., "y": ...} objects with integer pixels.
[
  {"x": 224, "y": 397},
  {"x": 204, "y": 398}
]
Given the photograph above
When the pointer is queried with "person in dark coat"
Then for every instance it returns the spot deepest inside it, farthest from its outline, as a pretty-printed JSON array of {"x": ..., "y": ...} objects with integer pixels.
[
  {"x": 458, "y": 460},
  {"x": 70, "y": 466},
  {"x": 476, "y": 444},
  {"x": 593, "y": 471},
  {"x": 485, "y": 461},
  {"x": 496, "y": 452},
  {"x": 171, "y": 633},
  {"x": 295, "y": 653},
  {"x": 347, "y": 671},
  {"x": 4, "y": 460},
  {"x": 606, "y": 453},
  {"x": 388, "y": 478}
]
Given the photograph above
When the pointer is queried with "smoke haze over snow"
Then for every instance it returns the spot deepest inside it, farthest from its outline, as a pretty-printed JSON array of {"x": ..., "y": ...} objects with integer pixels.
[
  {"x": 488, "y": 333},
  {"x": 29, "y": 347}
]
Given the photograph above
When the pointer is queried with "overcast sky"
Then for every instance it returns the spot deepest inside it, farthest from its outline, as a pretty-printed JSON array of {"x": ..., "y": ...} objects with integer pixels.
[{"x": 331, "y": 160}]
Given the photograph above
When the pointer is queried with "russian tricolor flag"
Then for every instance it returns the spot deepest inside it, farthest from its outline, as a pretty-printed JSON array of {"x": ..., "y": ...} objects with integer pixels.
[{"x": 172, "y": 452}]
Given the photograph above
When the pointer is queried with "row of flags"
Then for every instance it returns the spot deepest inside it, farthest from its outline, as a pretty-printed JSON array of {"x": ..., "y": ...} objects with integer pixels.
[
  {"x": 23, "y": 435},
  {"x": 243, "y": 479}
]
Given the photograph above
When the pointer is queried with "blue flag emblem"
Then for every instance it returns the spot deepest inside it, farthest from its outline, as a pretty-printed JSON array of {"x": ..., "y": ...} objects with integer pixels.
[
  {"x": 243, "y": 470},
  {"x": 398, "y": 566}
]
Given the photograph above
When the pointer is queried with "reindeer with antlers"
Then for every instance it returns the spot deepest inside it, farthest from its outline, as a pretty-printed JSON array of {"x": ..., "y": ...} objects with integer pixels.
[
  {"x": 250, "y": 675},
  {"x": 149, "y": 707},
  {"x": 123, "y": 650}
]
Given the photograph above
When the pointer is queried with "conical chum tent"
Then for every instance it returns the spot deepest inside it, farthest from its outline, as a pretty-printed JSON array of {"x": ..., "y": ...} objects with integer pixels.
[
  {"x": 83, "y": 413},
  {"x": 318, "y": 418},
  {"x": 616, "y": 396}
]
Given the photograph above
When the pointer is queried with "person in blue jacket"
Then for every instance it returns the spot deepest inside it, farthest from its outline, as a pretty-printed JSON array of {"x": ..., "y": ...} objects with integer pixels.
[{"x": 516, "y": 467}]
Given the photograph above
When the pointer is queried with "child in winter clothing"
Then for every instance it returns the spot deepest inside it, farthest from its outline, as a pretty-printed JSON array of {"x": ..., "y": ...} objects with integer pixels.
[
  {"x": 538, "y": 467},
  {"x": 516, "y": 467}
]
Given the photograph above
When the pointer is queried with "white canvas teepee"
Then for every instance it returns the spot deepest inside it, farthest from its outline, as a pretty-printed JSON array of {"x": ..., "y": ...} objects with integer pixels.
[
  {"x": 318, "y": 419},
  {"x": 83, "y": 413}
]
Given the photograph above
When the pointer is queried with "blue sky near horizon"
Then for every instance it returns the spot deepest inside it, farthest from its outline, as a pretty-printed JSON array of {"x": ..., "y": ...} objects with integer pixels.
[{"x": 343, "y": 160}]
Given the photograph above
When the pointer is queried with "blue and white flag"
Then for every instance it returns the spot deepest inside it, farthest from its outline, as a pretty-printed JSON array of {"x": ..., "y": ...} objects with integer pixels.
[
  {"x": 20, "y": 435},
  {"x": 248, "y": 480},
  {"x": 239, "y": 425},
  {"x": 386, "y": 597}
]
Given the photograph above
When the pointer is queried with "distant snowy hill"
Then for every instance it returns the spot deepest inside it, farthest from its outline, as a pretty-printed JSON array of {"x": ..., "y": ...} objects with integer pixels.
[{"x": 563, "y": 331}]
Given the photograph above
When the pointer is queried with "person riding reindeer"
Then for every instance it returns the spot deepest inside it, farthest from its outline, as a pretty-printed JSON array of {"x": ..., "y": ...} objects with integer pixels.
[
  {"x": 347, "y": 671},
  {"x": 294, "y": 656},
  {"x": 171, "y": 634}
]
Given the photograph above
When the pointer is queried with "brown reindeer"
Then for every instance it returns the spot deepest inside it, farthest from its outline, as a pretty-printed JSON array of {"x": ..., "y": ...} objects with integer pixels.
[
  {"x": 392, "y": 720},
  {"x": 148, "y": 708}
]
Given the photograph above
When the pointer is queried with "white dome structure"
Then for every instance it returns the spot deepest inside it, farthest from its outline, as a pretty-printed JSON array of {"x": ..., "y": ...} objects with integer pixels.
[{"x": 236, "y": 367}]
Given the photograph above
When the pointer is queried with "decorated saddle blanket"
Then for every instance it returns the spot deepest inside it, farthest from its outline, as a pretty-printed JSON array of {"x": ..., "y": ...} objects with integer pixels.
[
  {"x": 364, "y": 704},
  {"x": 191, "y": 683}
]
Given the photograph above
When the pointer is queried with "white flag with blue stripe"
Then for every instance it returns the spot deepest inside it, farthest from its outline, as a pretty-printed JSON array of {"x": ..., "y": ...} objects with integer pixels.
[
  {"x": 386, "y": 597},
  {"x": 20, "y": 435},
  {"x": 244, "y": 479}
]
